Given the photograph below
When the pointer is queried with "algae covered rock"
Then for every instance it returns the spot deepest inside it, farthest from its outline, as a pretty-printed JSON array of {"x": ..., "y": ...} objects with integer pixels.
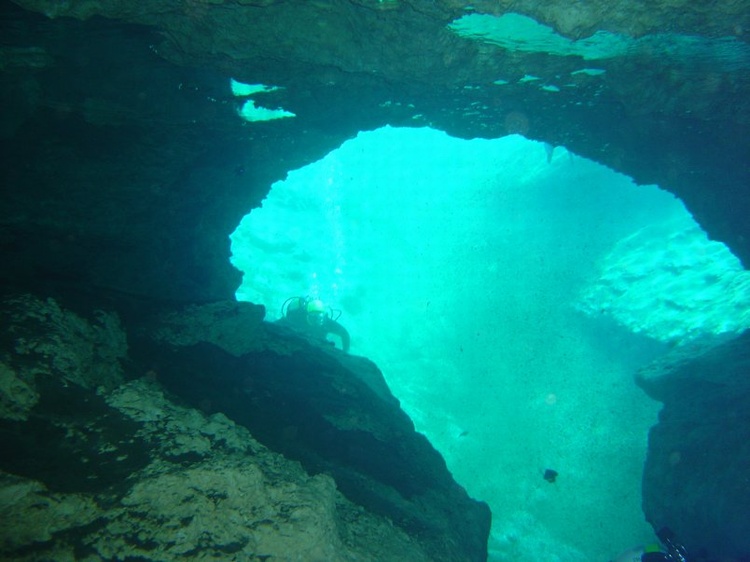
[
  {"x": 17, "y": 396},
  {"x": 31, "y": 514},
  {"x": 233, "y": 326},
  {"x": 331, "y": 411},
  {"x": 97, "y": 471},
  {"x": 45, "y": 339}
]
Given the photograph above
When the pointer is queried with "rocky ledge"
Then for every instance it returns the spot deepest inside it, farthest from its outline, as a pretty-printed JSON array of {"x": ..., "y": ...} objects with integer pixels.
[{"x": 204, "y": 432}]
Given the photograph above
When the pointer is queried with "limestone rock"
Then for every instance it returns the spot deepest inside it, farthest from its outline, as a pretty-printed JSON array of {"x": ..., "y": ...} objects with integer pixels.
[
  {"x": 695, "y": 478},
  {"x": 99, "y": 465},
  {"x": 61, "y": 344},
  {"x": 32, "y": 514},
  {"x": 17, "y": 396},
  {"x": 233, "y": 326},
  {"x": 330, "y": 411}
]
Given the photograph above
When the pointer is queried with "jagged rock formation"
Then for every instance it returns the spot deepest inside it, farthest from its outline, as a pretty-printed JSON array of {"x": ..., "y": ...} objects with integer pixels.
[
  {"x": 101, "y": 461},
  {"x": 695, "y": 480}
]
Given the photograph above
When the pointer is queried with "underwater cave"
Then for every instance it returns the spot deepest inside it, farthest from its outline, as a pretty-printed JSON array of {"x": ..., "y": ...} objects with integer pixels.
[
  {"x": 531, "y": 221},
  {"x": 509, "y": 291}
]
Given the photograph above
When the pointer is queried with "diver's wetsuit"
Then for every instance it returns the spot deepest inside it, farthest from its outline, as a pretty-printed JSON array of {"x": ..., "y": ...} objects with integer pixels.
[{"x": 296, "y": 319}]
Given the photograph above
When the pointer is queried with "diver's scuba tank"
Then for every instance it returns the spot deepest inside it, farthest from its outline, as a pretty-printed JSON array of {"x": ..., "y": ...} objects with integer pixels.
[
  {"x": 299, "y": 304},
  {"x": 293, "y": 304},
  {"x": 676, "y": 552},
  {"x": 669, "y": 551}
]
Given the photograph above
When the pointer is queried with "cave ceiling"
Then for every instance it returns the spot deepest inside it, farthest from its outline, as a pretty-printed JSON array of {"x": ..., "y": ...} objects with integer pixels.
[{"x": 119, "y": 125}]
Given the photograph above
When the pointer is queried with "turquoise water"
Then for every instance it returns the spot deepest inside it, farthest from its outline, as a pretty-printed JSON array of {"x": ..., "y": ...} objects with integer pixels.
[{"x": 484, "y": 277}]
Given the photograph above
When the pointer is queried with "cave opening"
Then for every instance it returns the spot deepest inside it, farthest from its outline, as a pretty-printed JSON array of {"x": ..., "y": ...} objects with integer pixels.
[{"x": 508, "y": 290}]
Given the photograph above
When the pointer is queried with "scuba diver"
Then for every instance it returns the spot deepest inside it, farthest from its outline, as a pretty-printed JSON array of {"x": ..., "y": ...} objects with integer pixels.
[
  {"x": 672, "y": 551},
  {"x": 312, "y": 318}
]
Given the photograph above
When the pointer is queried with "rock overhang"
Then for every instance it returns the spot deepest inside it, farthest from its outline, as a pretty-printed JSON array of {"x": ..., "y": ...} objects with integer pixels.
[{"x": 342, "y": 67}]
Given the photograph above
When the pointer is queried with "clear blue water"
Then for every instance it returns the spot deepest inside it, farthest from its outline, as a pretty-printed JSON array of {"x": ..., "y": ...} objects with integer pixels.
[{"x": 508, "y": 292}]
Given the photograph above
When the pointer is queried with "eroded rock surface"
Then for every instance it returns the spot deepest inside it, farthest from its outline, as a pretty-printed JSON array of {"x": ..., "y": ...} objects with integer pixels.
[
  {"x": 102, "y": 462},
  {"x": 331, "y": 411}
]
